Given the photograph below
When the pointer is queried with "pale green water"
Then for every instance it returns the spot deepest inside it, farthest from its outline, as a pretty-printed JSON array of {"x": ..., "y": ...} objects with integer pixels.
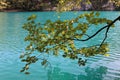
[{"x": 12, "y": 44}]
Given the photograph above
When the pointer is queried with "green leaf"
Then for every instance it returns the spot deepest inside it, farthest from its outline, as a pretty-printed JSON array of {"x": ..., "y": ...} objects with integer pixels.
[
  {"x": 44, "y": 62},
  {"x": 97, "y": 14},
  {"x": 32, "y": 17}
]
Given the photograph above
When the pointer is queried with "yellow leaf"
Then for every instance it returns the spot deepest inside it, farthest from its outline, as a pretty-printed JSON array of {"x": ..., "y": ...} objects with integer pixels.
[
  {"x": 72, "y": 46},
  {"x": 63, "y": 32},
  {"x": 106, "y": 55},
  {"x": 66, "y": 50},
  {"x": 77, "y": 36}
]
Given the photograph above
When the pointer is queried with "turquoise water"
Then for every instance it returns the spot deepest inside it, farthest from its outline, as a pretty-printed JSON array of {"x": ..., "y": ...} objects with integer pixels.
[{"x": 12, "y": 45}]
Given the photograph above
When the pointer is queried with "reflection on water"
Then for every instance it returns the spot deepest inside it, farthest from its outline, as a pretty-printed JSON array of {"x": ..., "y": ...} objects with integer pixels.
[
  {"x": 90, "y": 74},
  {"x": 12, "y": 44}
]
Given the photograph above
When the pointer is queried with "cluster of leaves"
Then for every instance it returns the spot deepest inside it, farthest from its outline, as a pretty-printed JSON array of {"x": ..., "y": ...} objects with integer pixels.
[
  {"x": 59, "y": 36},
  {"x": 67, "y": 5}
]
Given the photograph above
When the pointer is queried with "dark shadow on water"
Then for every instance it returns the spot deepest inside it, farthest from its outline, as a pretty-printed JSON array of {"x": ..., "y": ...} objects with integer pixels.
[{"x": 90, "y": 74}]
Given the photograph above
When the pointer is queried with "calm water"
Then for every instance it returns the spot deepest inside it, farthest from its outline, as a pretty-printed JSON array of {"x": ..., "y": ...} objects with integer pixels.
[{"x": 12, "y": 44}]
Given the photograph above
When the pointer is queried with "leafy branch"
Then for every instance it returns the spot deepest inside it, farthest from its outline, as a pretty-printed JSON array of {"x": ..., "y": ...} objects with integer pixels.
[
  {"x": 107, "y": 26},
  {"x": 59, "y": 36}
]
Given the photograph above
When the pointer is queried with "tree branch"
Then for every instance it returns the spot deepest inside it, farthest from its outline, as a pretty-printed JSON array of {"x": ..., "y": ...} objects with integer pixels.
[
  {"x": 105, "y": 36},
  {"x": 107, "y": 26}
]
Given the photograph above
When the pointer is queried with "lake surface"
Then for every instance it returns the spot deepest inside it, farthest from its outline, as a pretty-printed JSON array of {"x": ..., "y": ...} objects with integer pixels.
[{"x": 12, "y": 45}]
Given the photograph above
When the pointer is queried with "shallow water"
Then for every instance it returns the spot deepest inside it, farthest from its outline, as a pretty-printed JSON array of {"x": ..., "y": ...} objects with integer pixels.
[{"x": 12, "y": 44}]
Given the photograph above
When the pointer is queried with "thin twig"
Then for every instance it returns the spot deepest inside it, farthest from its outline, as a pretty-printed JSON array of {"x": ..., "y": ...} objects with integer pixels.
[{"x": 105, "y": 36}]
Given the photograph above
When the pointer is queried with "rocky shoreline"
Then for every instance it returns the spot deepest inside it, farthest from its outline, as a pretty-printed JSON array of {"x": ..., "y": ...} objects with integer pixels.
[
  {"x": 54, "y": 9},
  {"x": 46, "y": 5}
]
